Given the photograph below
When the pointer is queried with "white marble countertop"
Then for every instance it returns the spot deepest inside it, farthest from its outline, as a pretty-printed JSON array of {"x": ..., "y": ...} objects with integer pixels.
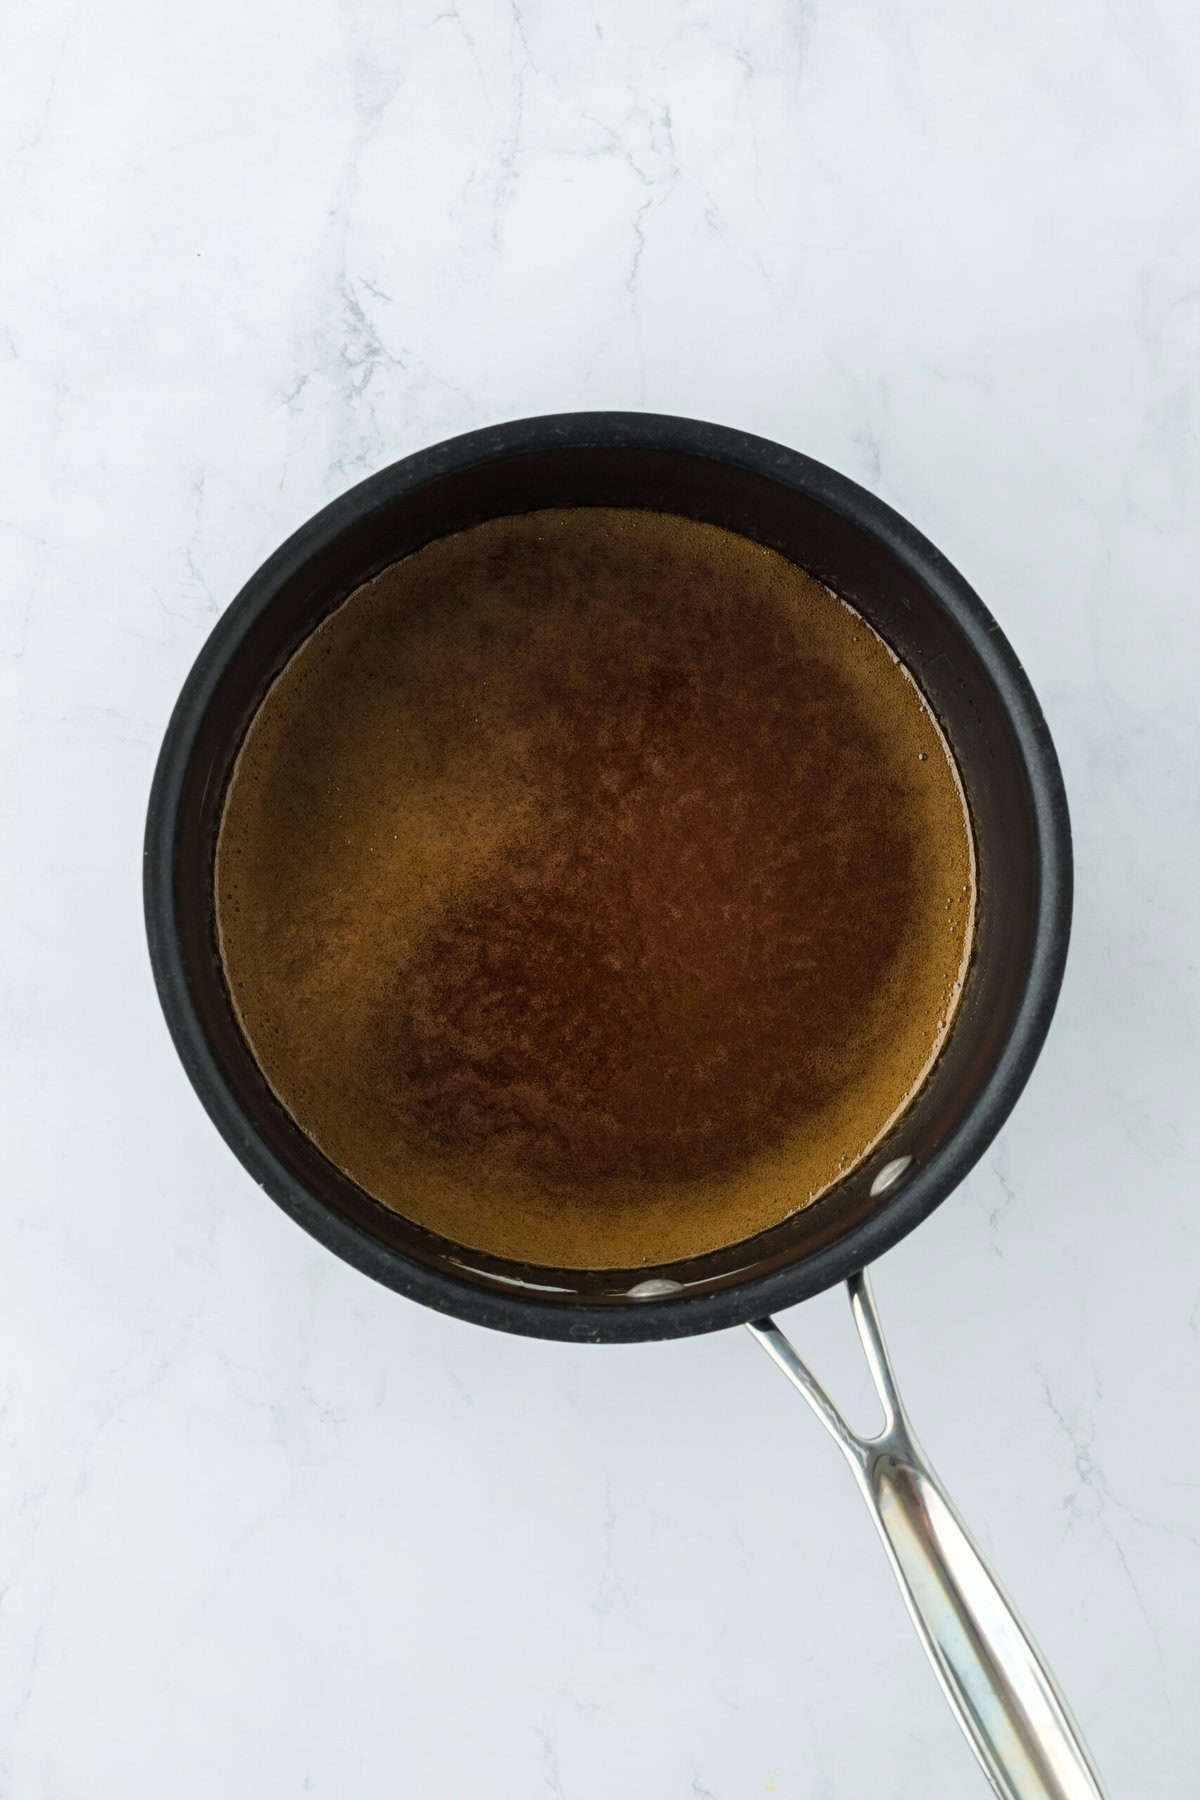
[{"x": 269, "y": 1531}]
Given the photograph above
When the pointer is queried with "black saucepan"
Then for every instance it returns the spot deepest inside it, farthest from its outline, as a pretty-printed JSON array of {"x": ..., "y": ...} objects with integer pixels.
[{"x": 929, "y": 615}]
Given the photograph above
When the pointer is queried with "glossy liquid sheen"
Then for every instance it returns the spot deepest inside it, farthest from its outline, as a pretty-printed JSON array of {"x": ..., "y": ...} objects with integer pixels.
[{"x": 594, "y": 887}]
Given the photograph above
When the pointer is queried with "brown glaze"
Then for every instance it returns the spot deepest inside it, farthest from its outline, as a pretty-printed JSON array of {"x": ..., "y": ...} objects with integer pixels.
[{"x": 594, "y": 887}]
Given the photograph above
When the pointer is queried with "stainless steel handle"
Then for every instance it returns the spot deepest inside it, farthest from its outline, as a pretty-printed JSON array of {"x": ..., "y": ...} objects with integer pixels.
[{"x": 1001, "y": 1691}]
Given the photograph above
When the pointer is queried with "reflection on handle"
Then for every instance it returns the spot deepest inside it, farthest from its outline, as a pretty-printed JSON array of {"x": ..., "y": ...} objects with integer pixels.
[{"x": 1002, "y": 1693}]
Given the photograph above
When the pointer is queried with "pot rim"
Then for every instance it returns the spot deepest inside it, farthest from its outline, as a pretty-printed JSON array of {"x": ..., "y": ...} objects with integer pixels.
[{"x": 916, "y": 1196}]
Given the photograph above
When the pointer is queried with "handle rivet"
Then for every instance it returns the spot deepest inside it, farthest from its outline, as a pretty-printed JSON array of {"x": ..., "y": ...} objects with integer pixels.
[{"x": 889, "y": 1175}]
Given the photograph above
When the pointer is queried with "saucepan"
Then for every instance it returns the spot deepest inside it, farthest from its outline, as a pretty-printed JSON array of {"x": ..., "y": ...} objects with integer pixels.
[{"x": 998, "y": 1685}]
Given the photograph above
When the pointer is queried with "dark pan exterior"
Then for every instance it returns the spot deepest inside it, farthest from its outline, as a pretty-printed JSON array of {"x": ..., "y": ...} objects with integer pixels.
[{"x": 918, "y": 603}]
